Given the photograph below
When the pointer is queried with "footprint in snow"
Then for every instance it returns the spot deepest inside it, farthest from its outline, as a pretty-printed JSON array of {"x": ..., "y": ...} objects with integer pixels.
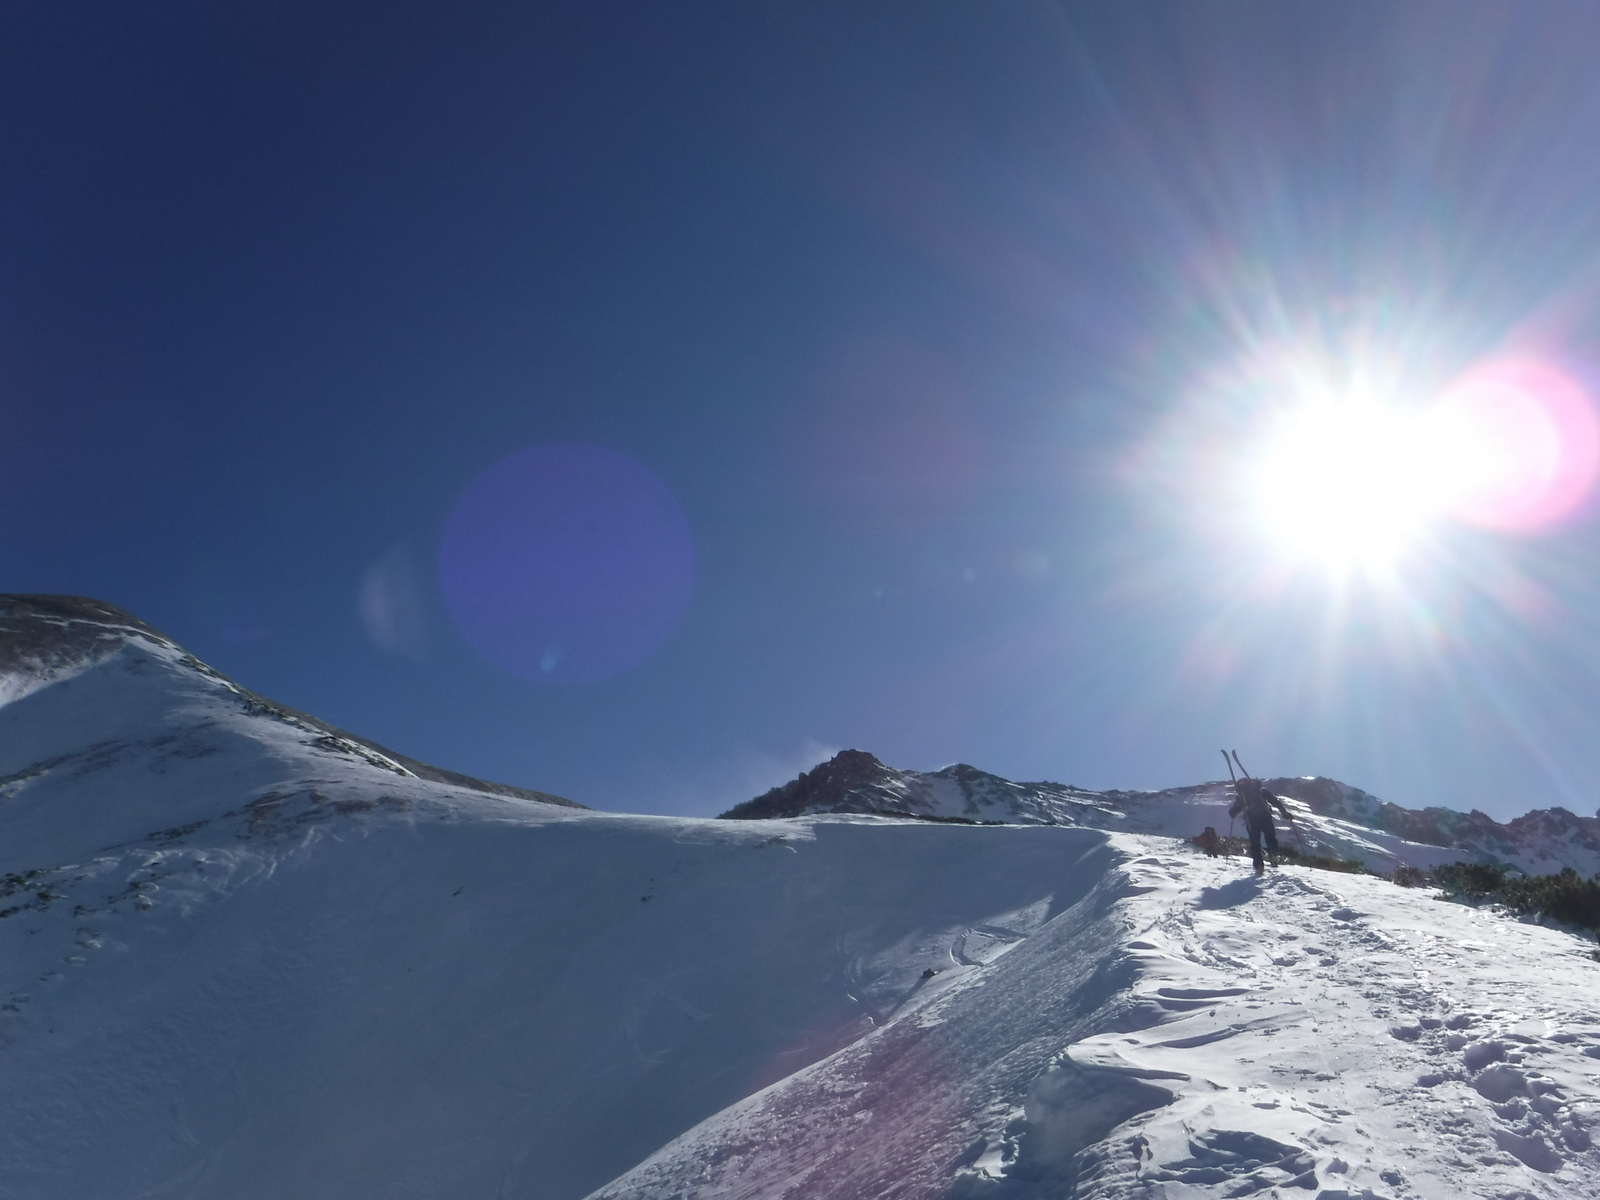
[
  {"x": 1250, "y": 1162},
  {"x": 1529, "y": 1117}
]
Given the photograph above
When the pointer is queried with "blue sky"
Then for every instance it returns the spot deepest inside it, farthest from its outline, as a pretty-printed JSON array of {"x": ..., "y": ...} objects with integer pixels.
[{"x": 936, "y": 325}]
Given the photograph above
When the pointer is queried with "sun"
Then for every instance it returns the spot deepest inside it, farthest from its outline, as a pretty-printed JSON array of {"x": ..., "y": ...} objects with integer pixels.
[
  {"x": 1343, "y": 483},
  {"x": 1357, "y": 481}
]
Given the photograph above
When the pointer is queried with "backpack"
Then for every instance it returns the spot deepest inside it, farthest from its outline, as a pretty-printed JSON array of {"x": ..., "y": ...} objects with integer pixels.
[{"x": 1253, "y": 799}]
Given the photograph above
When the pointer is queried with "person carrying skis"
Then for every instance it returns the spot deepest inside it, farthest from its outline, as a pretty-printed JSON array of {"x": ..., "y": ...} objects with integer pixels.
[{"x": 1256, "y": 804}]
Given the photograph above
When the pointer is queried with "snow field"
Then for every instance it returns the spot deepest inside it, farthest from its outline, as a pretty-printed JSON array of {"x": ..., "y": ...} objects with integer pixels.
[{"x": 241, "y": 959}]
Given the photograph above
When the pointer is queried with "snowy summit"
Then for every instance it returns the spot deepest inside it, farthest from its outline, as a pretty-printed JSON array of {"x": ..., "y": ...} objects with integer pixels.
[{"x": 244, "y": 954}]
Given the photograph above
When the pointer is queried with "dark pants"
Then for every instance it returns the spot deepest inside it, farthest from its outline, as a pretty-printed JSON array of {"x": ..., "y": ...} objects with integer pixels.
[{"x": 1261, "y": 829}]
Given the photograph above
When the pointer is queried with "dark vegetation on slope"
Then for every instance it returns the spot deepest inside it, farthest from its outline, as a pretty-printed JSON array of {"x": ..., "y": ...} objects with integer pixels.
[{"x": 1565, "y": 897}]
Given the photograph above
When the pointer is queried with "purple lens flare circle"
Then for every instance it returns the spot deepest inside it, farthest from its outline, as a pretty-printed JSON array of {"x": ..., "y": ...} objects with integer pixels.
[{"x": 567, "y": 563}]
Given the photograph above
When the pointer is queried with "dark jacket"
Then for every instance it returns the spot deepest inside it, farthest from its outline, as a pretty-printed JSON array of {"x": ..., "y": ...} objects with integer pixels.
[{"x": 1254, "y": 801}]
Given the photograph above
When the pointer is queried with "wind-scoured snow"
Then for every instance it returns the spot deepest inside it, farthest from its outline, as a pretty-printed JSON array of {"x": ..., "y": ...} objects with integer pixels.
[
  {"x": 1189, "y": 1033},
  {"x": 244, "y": 955}
]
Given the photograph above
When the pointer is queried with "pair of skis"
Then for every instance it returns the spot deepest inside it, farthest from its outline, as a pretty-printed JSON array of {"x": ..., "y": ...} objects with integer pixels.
[{"x": 1234, "y": 779}]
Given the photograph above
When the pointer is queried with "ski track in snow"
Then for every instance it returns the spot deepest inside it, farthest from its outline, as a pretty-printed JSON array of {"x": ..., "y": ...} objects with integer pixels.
[{"x": 242, "y": 960}]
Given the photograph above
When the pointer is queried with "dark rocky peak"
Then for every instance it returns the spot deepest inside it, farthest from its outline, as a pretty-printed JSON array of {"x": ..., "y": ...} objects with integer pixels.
[
  {"x": 850, "y": 781},
  {"x": 43, "y": 635},
  {"x": 854, "y": 781}
]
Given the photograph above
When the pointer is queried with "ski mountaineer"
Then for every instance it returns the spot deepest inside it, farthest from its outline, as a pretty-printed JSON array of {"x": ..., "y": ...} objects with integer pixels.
[{"x": 1256, "y": 803}]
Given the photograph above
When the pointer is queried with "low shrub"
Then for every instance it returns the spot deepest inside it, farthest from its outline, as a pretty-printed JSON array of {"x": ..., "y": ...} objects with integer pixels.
[
  {"x": 1475, "y": 880},
  {"x": 1565, "y": 897}
]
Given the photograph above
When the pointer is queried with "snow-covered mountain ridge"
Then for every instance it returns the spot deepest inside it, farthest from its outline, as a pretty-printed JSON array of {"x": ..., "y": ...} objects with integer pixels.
[
  {"x": 1334, "y": 818},
  {"x": 243, "y": 957},
  {"x": 48, "y": 640}
]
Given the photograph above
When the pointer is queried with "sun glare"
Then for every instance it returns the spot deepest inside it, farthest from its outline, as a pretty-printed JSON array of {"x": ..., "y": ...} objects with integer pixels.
[
  {"x": 1334, "y": 483},
  {"x": 1353, "y": 482}
]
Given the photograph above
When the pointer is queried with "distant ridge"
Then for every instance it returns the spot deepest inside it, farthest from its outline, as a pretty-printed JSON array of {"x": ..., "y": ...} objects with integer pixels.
[
  {"x": 44, "y": 636},
  {"x": 1337, "y": 818}
]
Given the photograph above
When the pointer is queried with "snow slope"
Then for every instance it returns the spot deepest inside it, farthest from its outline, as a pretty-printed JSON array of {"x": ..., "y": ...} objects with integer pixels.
[
  {"x": 242, "y": 956},
  {"x": 1187, "y": 1032}
]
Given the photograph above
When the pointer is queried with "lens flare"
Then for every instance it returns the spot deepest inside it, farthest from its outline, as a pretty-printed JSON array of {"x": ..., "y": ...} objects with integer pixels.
[
  {"x": 1513, "y": 445},
  {"x": 567, "y": 563}
]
